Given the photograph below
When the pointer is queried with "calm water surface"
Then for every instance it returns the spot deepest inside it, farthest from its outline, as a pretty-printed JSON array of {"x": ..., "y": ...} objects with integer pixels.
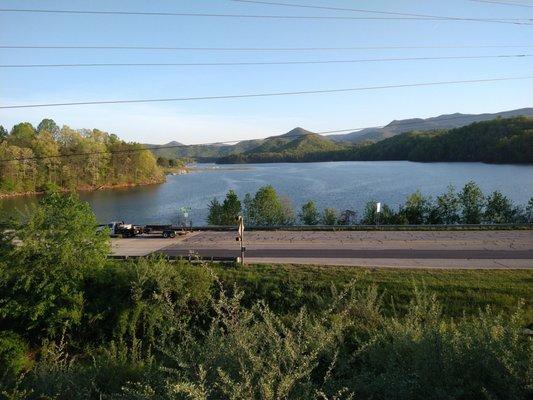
[{"x": 342, "y": 185}]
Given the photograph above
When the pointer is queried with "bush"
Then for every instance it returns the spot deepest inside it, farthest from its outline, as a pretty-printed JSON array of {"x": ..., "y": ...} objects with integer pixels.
[
  {"x": 149, "y": 301},
  {"x": 329, "y": 216},
  {"x": 40, "y": 280},
  {"x": 422, "y": 356},
  {"x": 309, "y": 214},
  {"x": 13, "y": 354}
]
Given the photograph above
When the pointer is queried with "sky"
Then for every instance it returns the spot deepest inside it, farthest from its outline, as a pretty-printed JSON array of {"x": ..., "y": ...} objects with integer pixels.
[{"x": 235, "y": 119}]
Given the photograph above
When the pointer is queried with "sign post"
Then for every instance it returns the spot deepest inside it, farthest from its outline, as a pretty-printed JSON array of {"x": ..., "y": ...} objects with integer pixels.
[{"x": 240, "y": 236}]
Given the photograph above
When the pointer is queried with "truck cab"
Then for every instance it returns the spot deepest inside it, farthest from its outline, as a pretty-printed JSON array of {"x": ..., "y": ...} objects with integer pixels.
[{"x": 119, "y": 228}]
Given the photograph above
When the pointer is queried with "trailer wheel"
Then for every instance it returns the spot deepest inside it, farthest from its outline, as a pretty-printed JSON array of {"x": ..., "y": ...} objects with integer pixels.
[
  {"x": 166, "y": 235},
  {"x": 172, "y": 234}
]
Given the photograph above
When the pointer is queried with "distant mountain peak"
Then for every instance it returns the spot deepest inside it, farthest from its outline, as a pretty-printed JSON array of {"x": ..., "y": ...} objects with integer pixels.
[
  {"x": 298, "y": 131},
  {"x": 173, "y": 143}
]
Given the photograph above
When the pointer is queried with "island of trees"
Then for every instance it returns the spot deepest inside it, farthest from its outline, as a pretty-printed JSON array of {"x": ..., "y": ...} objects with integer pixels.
[
  {"x": 502, "y": 140},
  {"x": 33, "y": 159}
]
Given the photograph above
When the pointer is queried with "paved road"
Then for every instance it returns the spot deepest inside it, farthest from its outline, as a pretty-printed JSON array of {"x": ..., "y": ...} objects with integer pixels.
[{"x": 463, "y": 249}]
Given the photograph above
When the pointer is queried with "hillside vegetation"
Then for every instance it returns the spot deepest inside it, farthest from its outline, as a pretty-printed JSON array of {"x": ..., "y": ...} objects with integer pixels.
[
  {"x": 507, "y": 140},
  {"x": 308, "y": 147},
  {"x": 446, "y": 121},
  {"x": 497, "y": 141},
  {"x": 49, "y": 156}
]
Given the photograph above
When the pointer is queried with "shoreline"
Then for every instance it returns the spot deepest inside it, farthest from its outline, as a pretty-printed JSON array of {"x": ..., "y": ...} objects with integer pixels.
[{"x": 82, "y": 189}]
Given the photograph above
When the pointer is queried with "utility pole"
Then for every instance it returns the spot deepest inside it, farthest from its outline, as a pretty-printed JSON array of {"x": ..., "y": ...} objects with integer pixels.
[{"x": 240, "y": 236}]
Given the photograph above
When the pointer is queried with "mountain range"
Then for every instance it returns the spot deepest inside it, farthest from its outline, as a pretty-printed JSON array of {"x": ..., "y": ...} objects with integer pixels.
[
  {"x": 445, "y": 121},
  {"x": 300, "y": 141}
]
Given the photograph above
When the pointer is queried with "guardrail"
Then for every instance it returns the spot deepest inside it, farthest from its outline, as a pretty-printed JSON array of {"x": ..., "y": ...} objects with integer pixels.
[{"x": 436, "y": 227}]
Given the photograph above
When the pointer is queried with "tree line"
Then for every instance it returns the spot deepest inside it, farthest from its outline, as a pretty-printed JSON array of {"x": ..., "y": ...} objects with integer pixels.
[
  {"x": 65, "y": 158},
  {"x": 76, "y": 325},
  {"x": 467, "y": 206},
  {"x": 502, "y": 140}
]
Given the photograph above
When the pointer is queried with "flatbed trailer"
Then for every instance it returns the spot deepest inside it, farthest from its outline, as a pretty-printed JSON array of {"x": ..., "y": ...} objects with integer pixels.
[{"x": 167, "y": 231}]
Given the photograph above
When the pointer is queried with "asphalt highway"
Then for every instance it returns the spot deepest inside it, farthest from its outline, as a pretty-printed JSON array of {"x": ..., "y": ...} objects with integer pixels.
[{"x": 405, "y": 249}]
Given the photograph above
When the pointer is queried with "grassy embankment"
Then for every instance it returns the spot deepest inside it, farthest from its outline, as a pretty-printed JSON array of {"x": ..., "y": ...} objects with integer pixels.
[{"x": 287, "y": 287}]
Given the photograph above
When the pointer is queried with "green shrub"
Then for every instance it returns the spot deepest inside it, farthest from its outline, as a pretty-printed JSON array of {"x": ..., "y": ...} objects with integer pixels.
[
  {"x": 14, "y": 354},
  {"x": 143, "y": 299}
]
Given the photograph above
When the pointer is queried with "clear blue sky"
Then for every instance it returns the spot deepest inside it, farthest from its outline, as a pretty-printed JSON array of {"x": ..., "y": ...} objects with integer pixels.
[{"x": 205, "y": 121}]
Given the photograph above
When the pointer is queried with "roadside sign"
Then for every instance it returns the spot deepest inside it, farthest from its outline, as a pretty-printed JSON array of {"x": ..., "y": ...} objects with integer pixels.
[
  {"x": 240, "y": 237},
  {"x": 378, "y": 207},
  {"x": 240, "y": 226}
]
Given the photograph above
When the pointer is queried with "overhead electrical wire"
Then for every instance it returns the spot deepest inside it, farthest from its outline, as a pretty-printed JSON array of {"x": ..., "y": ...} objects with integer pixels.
[
  {"x": 516, "y": 21},
  {"x": 268, "y": 94},
  {"x": 503, "y": 3},
  {"x": 227, "y": 142},
  {"x": 360, "y": 10},
  {"x": 253, "y": 63},
  {"x": 37, "y": 47}
]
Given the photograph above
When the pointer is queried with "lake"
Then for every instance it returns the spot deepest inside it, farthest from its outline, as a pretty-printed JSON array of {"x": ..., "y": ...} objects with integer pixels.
[{"x": 342, "y": 185}]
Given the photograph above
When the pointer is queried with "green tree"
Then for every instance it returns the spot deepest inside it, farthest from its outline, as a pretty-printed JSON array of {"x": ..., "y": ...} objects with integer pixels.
[
  {"x": 416, "y": 209},
  {"x": 231, "y": 208},
  {"x": 499, "y": 209},
  {"x": 22, "y": 134},
  {"x": 446, "y": 208},
  {"x": 472, "y": 203},
  {"x": 265, "y": 208},
  {"x": 309, "y": 214},
  {"x": 287, "y": 210},
  {"x": 329, "y": 216},
  {"x": 386, "y": 216},
  {"x": 3, "y": 133},
  {"x": 48, "y": 125},
  {"x": 528, "y": 214},
  {"x": 215, "y": 213},
  {"x": 41, "y": 282}
]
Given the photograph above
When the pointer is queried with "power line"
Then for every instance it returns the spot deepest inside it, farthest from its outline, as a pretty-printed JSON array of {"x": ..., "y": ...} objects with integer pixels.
[
  {"x": 503, "y": 3},
  {"x": 253, "y": 63},
  {"x": 438, "y": 17},
  {"x": 271, "y": 94},
  {"x": 228, "y": 142},
  {"x": 252, "y": 16},
  {"x": 262, "y": 48}
]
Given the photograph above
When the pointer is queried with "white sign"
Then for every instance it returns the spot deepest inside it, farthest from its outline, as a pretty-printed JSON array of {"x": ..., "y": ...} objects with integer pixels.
[
  {"x": 378, "y": 207},
  {"x": 240, "y": 226}
]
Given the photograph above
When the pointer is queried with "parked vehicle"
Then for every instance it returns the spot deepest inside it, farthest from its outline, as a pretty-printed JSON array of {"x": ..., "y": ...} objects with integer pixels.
[{"x": 119, "y": 228}]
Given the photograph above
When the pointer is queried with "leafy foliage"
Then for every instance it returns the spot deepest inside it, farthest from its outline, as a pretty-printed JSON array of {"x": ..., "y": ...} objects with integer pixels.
[
  {"x": 267, "y": 209},
  {"x": 496, "y": 141},
  {"x": 329, "y": 216},
  {"x": 309, "y": 214},
  {"x": 70, "y": 159},
  {"x": 225, "y": 213},
  {"x": 41, "y": 279}
]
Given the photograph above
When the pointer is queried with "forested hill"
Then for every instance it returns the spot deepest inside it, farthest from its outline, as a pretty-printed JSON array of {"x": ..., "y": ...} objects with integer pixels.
[
  {"x": 507, "y": 140},
  {"x": 33, "y": 159},
  {"x": 306, "y": 147},
  {"x": 498, "y": 141},
  {"x": 445, "y": 121}
]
